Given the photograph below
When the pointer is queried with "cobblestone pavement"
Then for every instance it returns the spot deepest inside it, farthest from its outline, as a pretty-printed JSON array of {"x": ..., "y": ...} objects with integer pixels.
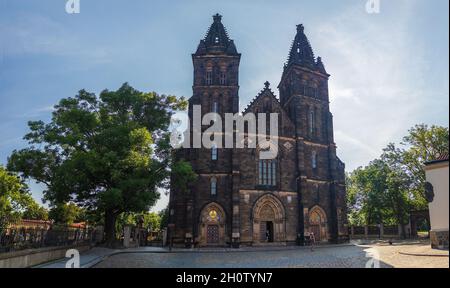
[
  {"x": 332, "y": 257},
  {"x": 399, "y": 255}
]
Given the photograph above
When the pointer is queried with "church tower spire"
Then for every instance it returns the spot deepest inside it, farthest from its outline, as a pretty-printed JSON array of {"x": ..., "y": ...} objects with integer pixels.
[
  {"x": 301, "y": 52},
  {"x": 216, "y": 71},
  {"x": 304, "y": 85},
  {"x": 216, "y": 40}
]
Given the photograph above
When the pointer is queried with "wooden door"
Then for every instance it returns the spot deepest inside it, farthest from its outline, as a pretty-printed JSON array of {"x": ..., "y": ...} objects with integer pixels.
[
  {"x": 212, "y": 236},
  {"x": 316, "y": 230},
  {"x": 263, "y": 231}
]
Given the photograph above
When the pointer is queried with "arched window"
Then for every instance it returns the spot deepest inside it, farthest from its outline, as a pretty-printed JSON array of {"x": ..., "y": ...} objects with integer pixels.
[
  {"x": 314, "y": 160},
  {"x": 213, "y": 186},
  {"x": 214, "y": 152}
]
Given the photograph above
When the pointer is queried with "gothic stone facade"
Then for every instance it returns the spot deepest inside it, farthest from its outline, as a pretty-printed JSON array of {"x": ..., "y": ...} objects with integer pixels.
[{"x": 241, "y": 200}]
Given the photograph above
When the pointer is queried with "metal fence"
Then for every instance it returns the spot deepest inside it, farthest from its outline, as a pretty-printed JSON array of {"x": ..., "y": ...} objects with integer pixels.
[
  {"x": 14, "y": 239},
  {"x": 391, "y": 230},
  {"x": 372, "y": 231}
]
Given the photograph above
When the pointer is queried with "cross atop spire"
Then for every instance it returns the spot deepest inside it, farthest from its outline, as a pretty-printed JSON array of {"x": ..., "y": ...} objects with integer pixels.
[
  {"x": 216, "y": 39},
  {"x": 217, "y": 17},
  {"x": 267, "y": 84}
]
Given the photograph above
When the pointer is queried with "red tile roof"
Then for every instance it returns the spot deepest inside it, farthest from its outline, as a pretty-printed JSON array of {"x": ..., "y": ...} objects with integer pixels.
[{"x": 442, "y": 158}]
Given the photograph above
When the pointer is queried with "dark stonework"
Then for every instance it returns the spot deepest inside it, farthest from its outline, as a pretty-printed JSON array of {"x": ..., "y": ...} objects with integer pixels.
[{"x": 308, "y": 190}]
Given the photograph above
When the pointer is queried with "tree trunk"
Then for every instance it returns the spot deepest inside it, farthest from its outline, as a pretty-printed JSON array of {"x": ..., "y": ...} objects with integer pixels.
[
  {"x": 402, "y": 226},
  {"x": 110, "y": 228},
  {"x": 403, "y": 232}
]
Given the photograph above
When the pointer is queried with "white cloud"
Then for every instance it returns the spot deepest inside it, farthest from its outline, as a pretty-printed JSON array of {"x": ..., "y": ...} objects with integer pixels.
[{"x": 376, "y": 85}]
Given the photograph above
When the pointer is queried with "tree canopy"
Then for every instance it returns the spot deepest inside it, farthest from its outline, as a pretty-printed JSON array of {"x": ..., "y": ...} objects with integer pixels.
[
  {"x": 388, "y": 188},
  {"x": 14, "y": 197},
  {"x": 108, "y": 154},
  {"x": 66, "y": 214}
]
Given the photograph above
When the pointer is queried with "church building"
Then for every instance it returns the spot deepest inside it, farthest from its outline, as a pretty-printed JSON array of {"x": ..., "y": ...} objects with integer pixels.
[{"x": 241, "y": 199}]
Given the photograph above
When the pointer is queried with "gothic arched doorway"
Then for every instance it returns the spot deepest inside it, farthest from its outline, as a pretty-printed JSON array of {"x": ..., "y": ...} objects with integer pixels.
[
  {"x": 318, "y": 223},
  {"x": 268, "y": 220},
  {"x": 212, "y": 225}
]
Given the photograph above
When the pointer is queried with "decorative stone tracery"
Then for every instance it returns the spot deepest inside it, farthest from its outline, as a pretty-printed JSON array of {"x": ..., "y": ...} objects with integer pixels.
[
  {"x": 212, "y": 215},
  {"x": 318, "y": 223},
  {"x": 269, "y": 208}
]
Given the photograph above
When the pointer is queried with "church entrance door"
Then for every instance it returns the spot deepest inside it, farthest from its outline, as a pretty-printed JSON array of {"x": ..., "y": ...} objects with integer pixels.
[
  {"x": 268, "y": 220},
  {"x": 318, "y": 223},
  {"x": 316, "y": 230},
  {"x": 212, "y": 234},
  {"x": 266, "y": 231},
  {"x": 211, "y": 228},
  {"x": 269, "y": 231}
]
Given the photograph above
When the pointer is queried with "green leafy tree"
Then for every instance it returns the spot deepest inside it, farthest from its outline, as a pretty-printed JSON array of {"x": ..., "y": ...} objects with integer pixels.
[
  {"x": 66, "y": 214},
  {"x": 108, "y": 154},
  {"x": 125, "y": 219},
  {"x": 182, "y": 175},
  {"x": 422, "y": 144},
  {"x": 152, "y": 220},
  {"x": 365, "y": 189},
  {"x": 14, "y": 197},
  {"x": 398, "y": 196},
  {"x": 388, "y": 188},
  {"x": 34, "y": 211}
]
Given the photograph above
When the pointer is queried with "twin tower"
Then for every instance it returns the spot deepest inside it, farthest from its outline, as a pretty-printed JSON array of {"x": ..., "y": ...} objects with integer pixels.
[{"x": 240, "y": 198}]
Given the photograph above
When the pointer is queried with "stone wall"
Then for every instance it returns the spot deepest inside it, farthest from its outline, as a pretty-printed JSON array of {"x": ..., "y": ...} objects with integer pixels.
[{"x": 33, "y": 257}]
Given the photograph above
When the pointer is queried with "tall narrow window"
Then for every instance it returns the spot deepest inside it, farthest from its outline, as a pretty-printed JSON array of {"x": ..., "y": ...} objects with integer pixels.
[
  {"x": 213, "y": 186},
  {"x": 314, "y": 160},
  {"x": 208, "y": 78},
  {"x": 267, "y": 172},
  {"x": 214, "y": 152},
  {"x": 265, "y": 176},
  {"x": 223, "y": 78},
  {"x": 215, "y": 107},
  {"x": 274, "y": 172},
  {"x": 261, "y": 169},
  {"x": 312, "y": 121}
]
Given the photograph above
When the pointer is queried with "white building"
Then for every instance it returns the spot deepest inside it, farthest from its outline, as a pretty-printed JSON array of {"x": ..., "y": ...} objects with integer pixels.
[{"x": 437, "y": 190}]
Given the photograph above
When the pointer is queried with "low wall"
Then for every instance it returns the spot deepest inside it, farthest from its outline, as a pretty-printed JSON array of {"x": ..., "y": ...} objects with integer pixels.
[
  {"x": 439, "y": 239},
  {"x": 374, "y": 232},
  {"x": 33, "y": 257}
]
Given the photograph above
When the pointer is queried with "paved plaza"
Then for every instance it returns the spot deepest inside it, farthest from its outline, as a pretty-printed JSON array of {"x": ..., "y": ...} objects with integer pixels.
[{"x": 400, "y": 255}]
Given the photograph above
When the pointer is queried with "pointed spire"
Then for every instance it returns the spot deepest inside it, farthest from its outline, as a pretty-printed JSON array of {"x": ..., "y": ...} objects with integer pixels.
[
  {"x": 216, "y": 39},
  {"x": 319, "y": 66},
  {"x": 301, "y": 52}
]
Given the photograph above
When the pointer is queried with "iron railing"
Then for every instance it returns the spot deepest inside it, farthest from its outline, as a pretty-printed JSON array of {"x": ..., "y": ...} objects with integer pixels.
[{"x": 15, "y": 239}]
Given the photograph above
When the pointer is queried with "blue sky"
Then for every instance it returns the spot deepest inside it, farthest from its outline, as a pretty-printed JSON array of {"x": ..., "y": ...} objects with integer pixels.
[{"x": 389, "y": 70}]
